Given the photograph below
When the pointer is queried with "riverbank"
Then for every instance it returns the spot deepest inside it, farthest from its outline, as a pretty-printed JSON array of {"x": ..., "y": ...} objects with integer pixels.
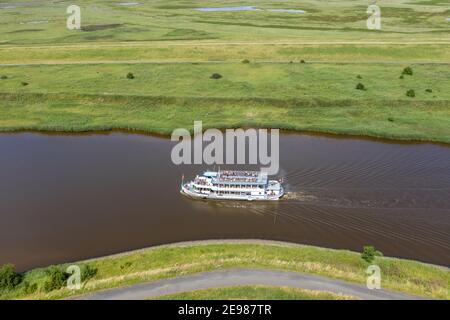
[
  {"x": 165, "y": 262},
  {"x": 396, "y": 119}
]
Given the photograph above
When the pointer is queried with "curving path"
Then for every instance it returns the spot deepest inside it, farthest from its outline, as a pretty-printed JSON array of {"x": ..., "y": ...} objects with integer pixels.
[{"x": 236, "y": 277}]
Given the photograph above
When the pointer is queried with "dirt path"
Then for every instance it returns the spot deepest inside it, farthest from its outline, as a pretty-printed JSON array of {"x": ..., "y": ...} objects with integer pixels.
[{"x": 239, "y": 277}]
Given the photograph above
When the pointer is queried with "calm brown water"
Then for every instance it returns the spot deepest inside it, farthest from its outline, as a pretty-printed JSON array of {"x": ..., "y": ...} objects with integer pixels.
[{"x": 65, "y": 198}]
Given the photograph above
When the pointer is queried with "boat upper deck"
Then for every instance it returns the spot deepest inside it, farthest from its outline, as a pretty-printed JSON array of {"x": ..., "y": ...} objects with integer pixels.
[{"x": 241, "y": 177}]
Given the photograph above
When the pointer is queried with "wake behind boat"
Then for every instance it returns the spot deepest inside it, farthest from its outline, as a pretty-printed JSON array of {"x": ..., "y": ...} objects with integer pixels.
[{"x": 233, "y": 185}]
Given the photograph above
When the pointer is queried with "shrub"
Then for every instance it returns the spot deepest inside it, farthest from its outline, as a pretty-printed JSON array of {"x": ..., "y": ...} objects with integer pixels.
[
  {"x": 429, "y": 90},
  {"x": 408, "y": 71},
  {"x": 88, "y": 272},
  {"x": 29, "y": 288},
  {"x": 360, "y": 86},
  {"x": 302, "y": 61},
  {"x": 126, "y": 265},
  {"x": 391, "y": 119},
  {"x": 130, "y": 76},
  {"x": 3, "y": 77},
  {"x": 216, "y": 76},
  {"x": 401, "y": 77},
  {"x": 411, "y": 93},
  {"x": 369, "y": 254},
  {"x": 358, "y": 76},
  {"x": 56, "y": 278},
  {"x": 24, "y": 83},
  {"x": 9, "y": 278},
  {"x": 245, "y": 61}
]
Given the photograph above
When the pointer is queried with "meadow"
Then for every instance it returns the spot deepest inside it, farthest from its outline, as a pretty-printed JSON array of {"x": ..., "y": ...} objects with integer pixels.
[
  {"x": 302, "y": 69},
  {"x": 43, "y": 21}
]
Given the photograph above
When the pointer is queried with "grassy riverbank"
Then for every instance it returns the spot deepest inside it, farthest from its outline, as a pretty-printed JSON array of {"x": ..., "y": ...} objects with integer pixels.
[
  {"x": 171, "y": 261},
  {"x": 256, "y": 293},
  {"x": 393, "y": 119}
]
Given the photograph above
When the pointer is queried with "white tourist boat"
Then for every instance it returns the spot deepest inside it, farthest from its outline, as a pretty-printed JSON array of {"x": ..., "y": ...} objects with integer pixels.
[{"x": 233, "y": 185}]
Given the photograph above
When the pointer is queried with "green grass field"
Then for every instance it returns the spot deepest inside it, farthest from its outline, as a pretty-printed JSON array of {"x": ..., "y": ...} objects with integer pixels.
[
  {"x": 255, "y": 293},
  {"x": 61, "y": 80},
  {"x": 166, "y": 262},
  {"x": 37, "y": 22}
]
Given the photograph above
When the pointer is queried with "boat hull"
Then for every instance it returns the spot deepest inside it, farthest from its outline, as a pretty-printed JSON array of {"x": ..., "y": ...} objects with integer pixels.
[{"x": 214, "y": 196}]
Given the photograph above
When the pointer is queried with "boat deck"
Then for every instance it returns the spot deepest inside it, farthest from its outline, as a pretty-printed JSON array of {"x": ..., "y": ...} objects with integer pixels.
[{"x": 241, "y": 177}]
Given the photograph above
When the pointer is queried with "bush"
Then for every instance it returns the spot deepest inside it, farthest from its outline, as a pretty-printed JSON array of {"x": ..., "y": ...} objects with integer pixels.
[
  {"x": 401, "y": 77},
  {"x": 130, "y": 76},
  {"x": 411, "y": 93},
  {"x": 391, "y": 119},
  {"x": 360, "y": 86},
  {"x": 3, "y": 77},
  {"x": 302, "y": 61},
  {"x": 358, "y": 76},
  {"x": 429, "y": 90},
  {"x": 24, "y": 83},
  {"x": 56, "y": 279},
  {"x": 216, "y": 76},
  {"x": 87, "y": 272},
  {"x": 245, "y": 61},
  {"x": 126, "y": 265},
  {"x": 408, "y": 71},
  {"x": 369, "y": 254},
  {"x": 29, "y": 288},
  {"x": 9, "y": 279}
]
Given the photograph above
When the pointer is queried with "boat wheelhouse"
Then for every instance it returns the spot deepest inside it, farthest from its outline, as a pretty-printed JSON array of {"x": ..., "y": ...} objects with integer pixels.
[{"x": 233, "y": 185}]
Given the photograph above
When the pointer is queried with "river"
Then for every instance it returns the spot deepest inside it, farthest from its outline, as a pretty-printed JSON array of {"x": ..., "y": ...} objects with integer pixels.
[{"x": 70, "y": 197}]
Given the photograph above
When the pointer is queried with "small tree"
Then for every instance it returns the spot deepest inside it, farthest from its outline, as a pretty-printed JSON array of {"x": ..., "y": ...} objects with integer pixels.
[
  {"x": 216, "y": 76},
  {"x": 3, "y": 77},
  {"x": 130, "y": 76},
  {"x": 411, "y": 93},
  {"x": 429, "y": 90},
  {"x": 408, "y": 71},
  {"x": 360, "y": 86},
  {"x": 369, "y": 253},
  {"x": 359, "y": 76},
  {"x": 9, "y": 278},
  {"x": 56, "y": 279},
  {"x": 302, "y": 61},
  {"x": 23, "y": 83},
  {"x": 246, "y": 61}
]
